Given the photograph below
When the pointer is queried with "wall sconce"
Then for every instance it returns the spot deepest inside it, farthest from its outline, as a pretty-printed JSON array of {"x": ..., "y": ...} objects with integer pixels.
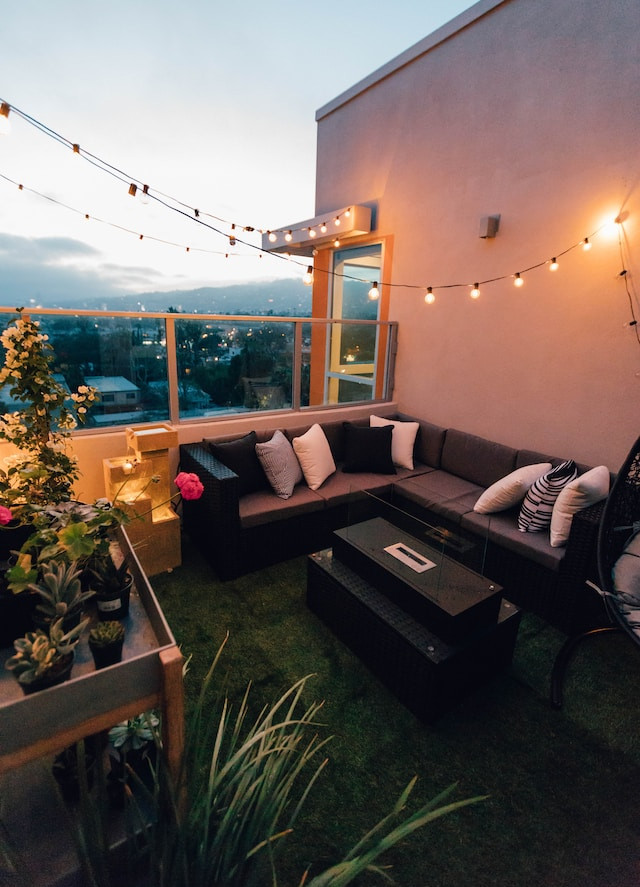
[{"x": 489, "y": 226}]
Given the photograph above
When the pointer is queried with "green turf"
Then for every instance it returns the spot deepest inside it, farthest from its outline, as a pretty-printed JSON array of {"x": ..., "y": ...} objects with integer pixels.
[{"x": 563, "y": 785}]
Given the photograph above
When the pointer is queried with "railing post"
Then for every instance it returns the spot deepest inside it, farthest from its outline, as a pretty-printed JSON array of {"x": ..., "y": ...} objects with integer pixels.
[
  {"x": 296, "y": 370},
  {"x": 172, "y": 370}
]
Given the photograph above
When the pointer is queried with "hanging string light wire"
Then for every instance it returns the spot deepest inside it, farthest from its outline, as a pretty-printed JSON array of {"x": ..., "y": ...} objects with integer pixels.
[{"x": 195, "y": 215}]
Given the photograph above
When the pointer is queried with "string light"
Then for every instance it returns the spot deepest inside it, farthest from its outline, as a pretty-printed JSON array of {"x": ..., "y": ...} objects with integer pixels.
[
  {"x": 308, "y": 276},
  {"x": 429, "y": 296},
  {"x": 475, "y": 292},
  {"x": 323, "y": 228},
  {"x": 5, "y": 125},
  {"x": 312, "y": 232},
  {"x": 374, "y": 292},
  {"x": 232, "y": 236},
  {"x": 134, "y": 186}
]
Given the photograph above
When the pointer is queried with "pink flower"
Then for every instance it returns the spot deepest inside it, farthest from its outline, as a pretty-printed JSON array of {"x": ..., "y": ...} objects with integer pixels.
[
  {"x": 189, "y": 485},
  {"x": 5, "y": 515}
]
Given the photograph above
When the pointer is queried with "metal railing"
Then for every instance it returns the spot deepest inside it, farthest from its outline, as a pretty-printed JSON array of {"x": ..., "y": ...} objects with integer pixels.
[{"x": 157, "y": 366}]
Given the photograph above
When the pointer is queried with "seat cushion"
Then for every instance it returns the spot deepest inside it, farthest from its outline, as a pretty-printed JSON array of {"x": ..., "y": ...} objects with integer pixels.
[
  {"x": 265, "y": 507},
  {"x": 502, "y": 529},
  {"x": 440, "y": 492},
  {"x": 476, "y": 459}
]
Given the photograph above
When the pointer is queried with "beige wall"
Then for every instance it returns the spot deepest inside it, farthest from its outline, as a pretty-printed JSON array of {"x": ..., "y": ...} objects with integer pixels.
[{"x": 530, "y": 110}]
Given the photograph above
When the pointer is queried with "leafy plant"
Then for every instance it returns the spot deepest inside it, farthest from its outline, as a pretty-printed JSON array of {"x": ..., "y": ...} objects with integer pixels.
[
  {"x": 60, "y": 591},
  {"x": 109, "y": 577},
  {"x": 43, "y": 470},
  {"x": 242, "y": 787},
  {"x": 106, "y": 633},
  {"x": 38, "y": 652}
]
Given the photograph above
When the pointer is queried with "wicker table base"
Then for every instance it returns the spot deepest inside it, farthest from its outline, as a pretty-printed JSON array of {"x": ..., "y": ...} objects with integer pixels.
[{"x": 427, "y": 675}]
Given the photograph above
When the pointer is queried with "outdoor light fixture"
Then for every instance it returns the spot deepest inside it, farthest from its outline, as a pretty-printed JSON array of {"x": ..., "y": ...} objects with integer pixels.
[
  {"x": 374, "y": 292},
  {"x": 518, "y": 281},
  {"x": 475, "y": 292},
  {"x": 272, "y": 237},
  {"x": 586, "y": 245},
  {"x": 5, "y": 126},
  {"x": 554, "y": 264},
  {"x": 288, "y": 236},
  {"x": 308, "y": 277},
  {"x": 132, "y": 190},
  {"x": 429, "y": 297}
]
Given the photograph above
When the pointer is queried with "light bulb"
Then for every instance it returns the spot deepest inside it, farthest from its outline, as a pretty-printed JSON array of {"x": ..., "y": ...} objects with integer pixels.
[
  {"x": 127, "y": 466},
  {"x": 288, "y": 236},
  {"x": 429, "y": 296},
  {"x": 5, "y": 125},
  {"x": 518, "y": 281},
  {"x": 232, "y": 236},
  {"x": 308, "y": 277},
  {"x": 347, "y": 213},
  {"x": 312, "y": 232},
  {"x": 336, "y": 221},
  {"x": 144, "y": 195},
  {"x": 323, "y": 228},
  {"x": 554, "y": 264},
  {"x": 132, "y": 190},
  {"x": 374, "y": 292},
  {"x": 475, "y": 292},
  {"x": 336, "y": 243},
  {"x": 586, "y": 245},
  {"x": 272, "y": 237}
]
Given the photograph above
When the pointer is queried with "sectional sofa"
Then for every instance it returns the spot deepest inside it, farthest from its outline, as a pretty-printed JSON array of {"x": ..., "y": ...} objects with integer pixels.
[{"x": 240, "y": 524}]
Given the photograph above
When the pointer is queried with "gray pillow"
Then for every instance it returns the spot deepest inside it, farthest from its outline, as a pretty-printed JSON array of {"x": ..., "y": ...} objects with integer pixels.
[{"x": 280, "y": 464}]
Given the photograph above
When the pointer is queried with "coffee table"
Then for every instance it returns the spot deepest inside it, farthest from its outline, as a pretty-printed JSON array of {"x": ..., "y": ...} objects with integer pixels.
[{"x": 394, "y": 618}]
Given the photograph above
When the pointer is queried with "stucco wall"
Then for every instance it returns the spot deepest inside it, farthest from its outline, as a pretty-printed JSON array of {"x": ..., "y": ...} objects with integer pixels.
[{"x": 530, "y": 111}]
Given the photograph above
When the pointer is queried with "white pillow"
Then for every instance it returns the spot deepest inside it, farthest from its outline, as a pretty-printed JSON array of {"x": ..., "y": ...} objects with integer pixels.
[
  {"x": 314, "y": 455},
  {"x": 511, "y": 489},
  {"x": 589, "y": 488},
  {"x": 403, "y": 437}
]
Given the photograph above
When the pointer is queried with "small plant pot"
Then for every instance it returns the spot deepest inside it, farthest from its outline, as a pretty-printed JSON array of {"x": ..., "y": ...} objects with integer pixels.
[
  {"x": 106, "y": 655},
  {"x": 57, "y": 674},
  {"x": 114, "y": 605}
]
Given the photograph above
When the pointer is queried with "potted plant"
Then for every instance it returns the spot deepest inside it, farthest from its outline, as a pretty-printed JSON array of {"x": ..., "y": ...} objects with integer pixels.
[
  {"x": 133, "y": 746},
  {"x": 43, "y": 660},
  {"x": 105, "y": 642},
  {"x": 112, "y": 585},
  {"x": 60, "y": 594}
]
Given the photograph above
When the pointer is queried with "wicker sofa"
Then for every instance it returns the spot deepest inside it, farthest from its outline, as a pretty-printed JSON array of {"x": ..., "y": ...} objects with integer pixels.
[{"x": 240, "y": 533}]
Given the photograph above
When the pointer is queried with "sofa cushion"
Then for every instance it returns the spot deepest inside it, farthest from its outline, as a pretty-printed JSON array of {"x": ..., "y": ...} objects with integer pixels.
[
  {"x": 585, "y": 490},
  {"x": 429, "y": 441},
  {"x": 314, "y": 455},
  {"x": 265, "y": 507},
  {"x": 510, "y": 490},
  {"x": 340, "y": 487},
  {"x": 502, "y": 529},
  {"x": 280, "y": 464},
  {"x": 440, "y": 492},
  {"x": 476, "y": 459},
  {"x": 367, "y": 449},
  {"x": 240, "y": 456},
  {"x": 537, "y": 507},
  {"x": 402, "y": 440}
]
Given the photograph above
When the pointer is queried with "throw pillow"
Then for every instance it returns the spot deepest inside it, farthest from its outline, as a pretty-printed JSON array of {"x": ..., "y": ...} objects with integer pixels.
[
  {"x": 240, "y": 456},
  {"x": 510, "y": 490},
  {"x": 537, "y": 508},
  {"x": 589, "y": 488},
  {"x": 403, "y": 439},
  {"x": 367, "y": 449},
  {"x": 280, "y": 464},
  {"x": 315, "y": 456}
]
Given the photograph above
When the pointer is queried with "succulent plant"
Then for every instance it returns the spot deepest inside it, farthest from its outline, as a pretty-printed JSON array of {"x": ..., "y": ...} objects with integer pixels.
[
  {"x": 38, "y": 652},
  {"x": 105, "y": 633},
  {"x": 109, "y": 577},
  {"x": 60, "y": 590}
]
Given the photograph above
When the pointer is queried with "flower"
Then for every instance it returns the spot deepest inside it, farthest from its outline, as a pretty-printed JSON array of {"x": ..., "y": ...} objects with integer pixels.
[
  {"x": 5, "y": 515},
  {"x": 189, "y": 484}
]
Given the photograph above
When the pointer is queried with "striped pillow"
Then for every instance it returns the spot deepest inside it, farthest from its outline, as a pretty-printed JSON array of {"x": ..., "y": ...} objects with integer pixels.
[
  {"x": 280, "y": 464},
  {"x": 537, "y": 508}
]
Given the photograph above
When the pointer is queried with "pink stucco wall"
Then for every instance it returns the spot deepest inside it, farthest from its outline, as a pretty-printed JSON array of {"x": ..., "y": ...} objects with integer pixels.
[{"x": 529, "y": 110}]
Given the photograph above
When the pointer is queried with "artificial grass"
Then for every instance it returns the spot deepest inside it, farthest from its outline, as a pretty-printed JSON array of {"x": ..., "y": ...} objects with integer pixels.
[{"x": 562, "y": 785}]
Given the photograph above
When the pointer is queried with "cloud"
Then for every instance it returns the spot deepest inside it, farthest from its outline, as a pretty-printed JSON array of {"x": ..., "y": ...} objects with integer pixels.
[{"x": 44, "y": 249}]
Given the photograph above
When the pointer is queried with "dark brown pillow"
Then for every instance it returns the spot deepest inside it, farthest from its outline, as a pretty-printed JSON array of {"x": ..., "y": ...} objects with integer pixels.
[
  {"x": 240, "y": 456},
  {"x": 368, "y": 449}
]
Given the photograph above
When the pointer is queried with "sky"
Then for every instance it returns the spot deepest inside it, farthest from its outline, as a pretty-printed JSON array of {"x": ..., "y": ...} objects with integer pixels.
[{"x": 210, "y": 103}]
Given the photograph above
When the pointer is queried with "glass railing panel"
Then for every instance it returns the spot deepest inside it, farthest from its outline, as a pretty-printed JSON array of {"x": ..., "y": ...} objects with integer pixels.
[
  {"x": 125, "y": 358},
  {"x": 228, "y": 366}
]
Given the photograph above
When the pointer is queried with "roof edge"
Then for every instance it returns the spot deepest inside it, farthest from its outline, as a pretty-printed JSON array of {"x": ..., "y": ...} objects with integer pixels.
[{"x": 445, "y": 32}]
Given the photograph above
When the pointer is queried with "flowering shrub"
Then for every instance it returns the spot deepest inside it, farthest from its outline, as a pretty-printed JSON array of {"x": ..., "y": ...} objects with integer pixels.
[{"x": 43, "y": 471}]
